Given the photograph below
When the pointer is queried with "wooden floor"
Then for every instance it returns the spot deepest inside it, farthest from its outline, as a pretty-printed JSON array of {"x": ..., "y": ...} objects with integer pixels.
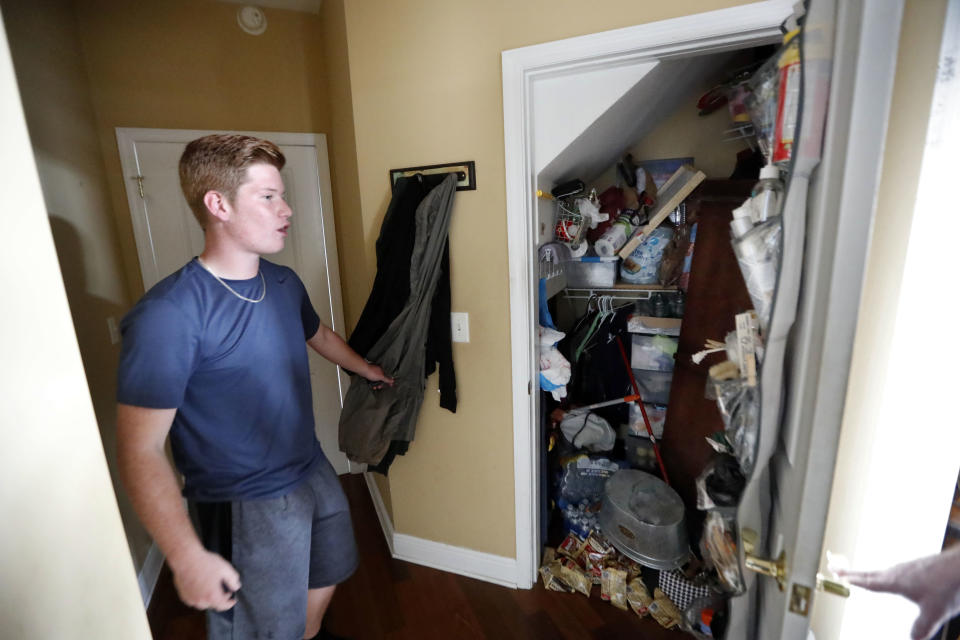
[{"x": 396, "y": 600}]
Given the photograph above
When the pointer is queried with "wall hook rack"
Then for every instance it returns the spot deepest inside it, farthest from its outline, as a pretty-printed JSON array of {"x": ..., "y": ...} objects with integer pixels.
[{"x": 466, "y": 173}]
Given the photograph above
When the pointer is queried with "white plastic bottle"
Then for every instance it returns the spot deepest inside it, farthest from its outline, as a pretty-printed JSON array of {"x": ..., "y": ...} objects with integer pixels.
[
  {"x": 742, "y": 219},
  {"x": 768, "y": 192}
]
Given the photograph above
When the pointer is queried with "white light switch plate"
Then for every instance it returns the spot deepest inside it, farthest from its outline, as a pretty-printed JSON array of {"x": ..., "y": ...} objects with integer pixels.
[{"x": 460, "y": 324}]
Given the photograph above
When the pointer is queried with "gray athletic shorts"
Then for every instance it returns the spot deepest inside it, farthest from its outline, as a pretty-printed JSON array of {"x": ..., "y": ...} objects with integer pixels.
[{"x": 281, "y": 547}]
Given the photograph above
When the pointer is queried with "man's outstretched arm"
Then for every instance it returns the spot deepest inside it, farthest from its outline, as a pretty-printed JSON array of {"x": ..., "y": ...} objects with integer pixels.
[
  {"x": 332, "y": 347},
  {"x": 932, "y": 582},
  {"x": 203, "y": 580}
]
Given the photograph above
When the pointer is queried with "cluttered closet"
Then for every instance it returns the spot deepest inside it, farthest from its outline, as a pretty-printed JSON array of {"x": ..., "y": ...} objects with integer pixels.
[{"x": 658, "y": 275}]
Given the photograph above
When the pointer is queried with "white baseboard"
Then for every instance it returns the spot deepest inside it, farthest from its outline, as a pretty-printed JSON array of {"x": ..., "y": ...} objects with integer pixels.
[
  {"x": 382, "y": 515},
  {"x": 149, "y": 573},
  {"x": 465, "y": 562},
  {"x": 437, "y": 555}
]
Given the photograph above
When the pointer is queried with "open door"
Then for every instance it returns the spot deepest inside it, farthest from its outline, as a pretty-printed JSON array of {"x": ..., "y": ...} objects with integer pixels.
[
  {"x": 847, "y": 83},
  {"x": 168, "y": 236}
]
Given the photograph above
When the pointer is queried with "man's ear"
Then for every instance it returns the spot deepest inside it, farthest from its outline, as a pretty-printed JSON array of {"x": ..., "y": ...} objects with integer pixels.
[{"x": 217, "y": 205}]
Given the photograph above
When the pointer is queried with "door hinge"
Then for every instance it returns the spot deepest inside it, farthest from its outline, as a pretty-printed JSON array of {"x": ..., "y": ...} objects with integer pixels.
[
  {"x": 139, "y": 180},
  {"x": 529, "y": 387}
]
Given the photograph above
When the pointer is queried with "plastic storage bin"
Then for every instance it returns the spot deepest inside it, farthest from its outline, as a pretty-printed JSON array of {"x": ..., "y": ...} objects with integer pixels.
[
  {"x": 657, "y": 413},
  {"x": 653, "y": 353},
  {"x": 639, "y": 453},
  {"x": 591, "y": 271},
  {"x": 654, "y": 385}
]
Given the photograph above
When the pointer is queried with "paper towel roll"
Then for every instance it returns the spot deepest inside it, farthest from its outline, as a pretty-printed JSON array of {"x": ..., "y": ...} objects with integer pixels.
[{"x": 611, "y": 240}]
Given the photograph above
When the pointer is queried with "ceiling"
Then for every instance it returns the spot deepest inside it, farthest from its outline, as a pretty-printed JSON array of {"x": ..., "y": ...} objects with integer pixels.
[{"x": 306, "y": 6}]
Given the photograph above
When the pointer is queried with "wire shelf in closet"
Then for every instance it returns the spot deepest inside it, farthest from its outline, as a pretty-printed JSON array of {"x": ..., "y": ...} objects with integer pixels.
[{"x": 621, "y": 291}]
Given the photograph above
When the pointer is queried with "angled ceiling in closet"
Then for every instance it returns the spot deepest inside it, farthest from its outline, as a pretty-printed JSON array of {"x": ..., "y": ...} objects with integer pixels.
[{"x": 586, "y": 121}]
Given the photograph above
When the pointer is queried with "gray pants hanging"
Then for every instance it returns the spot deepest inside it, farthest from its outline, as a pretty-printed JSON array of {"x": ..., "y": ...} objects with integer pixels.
[{"x": 371, "y": 419}]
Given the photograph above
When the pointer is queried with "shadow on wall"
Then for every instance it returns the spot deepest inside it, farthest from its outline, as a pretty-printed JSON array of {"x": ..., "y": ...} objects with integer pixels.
[{"x": 90, "y": 313}]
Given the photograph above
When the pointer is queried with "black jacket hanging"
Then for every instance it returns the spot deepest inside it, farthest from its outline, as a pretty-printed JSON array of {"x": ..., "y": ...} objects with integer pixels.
[
  {"x": 374, "y": 421},
  {"x": 391, "y": 286}
]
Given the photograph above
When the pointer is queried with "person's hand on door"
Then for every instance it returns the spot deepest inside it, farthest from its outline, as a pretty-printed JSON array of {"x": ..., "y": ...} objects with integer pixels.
[{"x": 933, "y": 583}]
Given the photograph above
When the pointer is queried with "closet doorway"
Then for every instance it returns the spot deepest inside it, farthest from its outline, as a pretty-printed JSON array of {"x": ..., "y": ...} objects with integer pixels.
[{"x": 863, "y": 35}]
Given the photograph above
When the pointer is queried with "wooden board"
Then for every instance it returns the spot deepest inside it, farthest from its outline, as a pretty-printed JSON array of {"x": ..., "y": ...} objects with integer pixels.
[{"x": 674, "y": 191}]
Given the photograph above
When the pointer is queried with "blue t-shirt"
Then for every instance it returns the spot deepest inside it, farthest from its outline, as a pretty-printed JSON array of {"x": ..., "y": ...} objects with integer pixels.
[{"x": 236, "y": 372}]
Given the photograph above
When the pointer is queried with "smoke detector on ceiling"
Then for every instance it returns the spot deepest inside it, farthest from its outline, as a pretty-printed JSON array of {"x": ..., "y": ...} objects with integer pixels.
[{"x": 252, "y": 20}]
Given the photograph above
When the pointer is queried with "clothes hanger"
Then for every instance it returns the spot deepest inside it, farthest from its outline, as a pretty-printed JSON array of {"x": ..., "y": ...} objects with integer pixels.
[
  {"x": 586, "y": 338},
  {"x": 606, "y": 311},
  {"x": 591, "y": 303}
]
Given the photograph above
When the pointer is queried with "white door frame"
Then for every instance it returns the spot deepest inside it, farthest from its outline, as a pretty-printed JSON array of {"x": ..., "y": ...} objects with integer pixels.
[{"x": 725, "y": 29}]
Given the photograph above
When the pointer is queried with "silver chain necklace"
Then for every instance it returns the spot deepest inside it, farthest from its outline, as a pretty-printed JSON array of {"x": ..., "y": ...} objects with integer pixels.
[{"x": 230, "y": 289}]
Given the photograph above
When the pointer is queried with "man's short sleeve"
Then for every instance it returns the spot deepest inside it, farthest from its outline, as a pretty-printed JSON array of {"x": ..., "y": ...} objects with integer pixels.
[
  {"x": 160, "y": 350},
  {"x": 309, "y": 317}
]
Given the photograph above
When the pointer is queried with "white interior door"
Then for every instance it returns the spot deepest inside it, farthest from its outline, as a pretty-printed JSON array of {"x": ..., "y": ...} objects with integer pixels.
[
  {"x": 168, "y": 236},
  {"x": 809, "y": 343}
]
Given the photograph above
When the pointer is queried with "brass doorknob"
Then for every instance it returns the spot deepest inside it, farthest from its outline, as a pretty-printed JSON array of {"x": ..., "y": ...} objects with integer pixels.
[
  {"x": 832, "y": 586},
  {"x": 776, "y": 569}
]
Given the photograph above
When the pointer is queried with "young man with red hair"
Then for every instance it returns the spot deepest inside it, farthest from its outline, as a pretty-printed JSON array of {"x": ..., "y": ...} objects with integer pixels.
[{"x": 214, "y": 356}]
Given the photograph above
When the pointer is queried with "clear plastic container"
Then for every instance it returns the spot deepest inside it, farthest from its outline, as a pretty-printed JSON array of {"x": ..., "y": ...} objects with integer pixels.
[
  {"x": 591, "y": 272},
  {"x": 758, "y": 253},
  {"x": 768, "y": 193},
  {"x": 653, "y": 353},
  {"x": 654, "y": 385},
  {"x": 657, "y": 413}
]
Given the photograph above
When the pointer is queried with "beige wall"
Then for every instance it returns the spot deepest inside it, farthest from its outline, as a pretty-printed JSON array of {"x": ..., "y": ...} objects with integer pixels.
[
  {"x": 343, "y": 162},
  {"x": 426, "y": 87},
  {"x": 181, "y": 64},
  {"x": 65, "y": 568},
  {"x": 56, "y": 98},
  {"x": 862, "y": 429},
  {"x": 685, "y": 134}
]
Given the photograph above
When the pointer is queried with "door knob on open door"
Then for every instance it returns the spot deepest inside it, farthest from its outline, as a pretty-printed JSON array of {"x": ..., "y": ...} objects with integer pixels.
[
  {"x": 776, "y": 569},
  {"x": 832, "y": 586},
  {"x": 773, "y": 568}
]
